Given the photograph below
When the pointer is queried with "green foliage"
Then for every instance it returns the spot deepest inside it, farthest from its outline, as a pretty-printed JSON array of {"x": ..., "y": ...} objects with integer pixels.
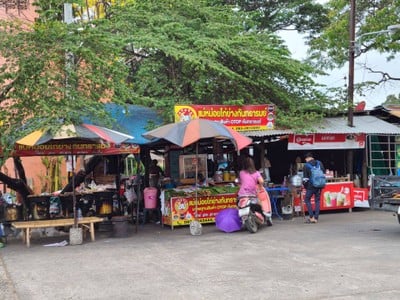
[
  {"x": 191, "y": 52},
  {"x": 40, "y": 85},
  {"x": 155, "y": 53},
  {"x": 304, "y": 16},
  {"x": 392, "y": 99},
  {"x": 330, "y": 49}
]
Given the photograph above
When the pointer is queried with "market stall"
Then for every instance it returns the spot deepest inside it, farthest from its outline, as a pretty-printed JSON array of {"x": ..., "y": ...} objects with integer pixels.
[
  {"x": 73, "y": 140},
  {"x": 187, "y": 133}
]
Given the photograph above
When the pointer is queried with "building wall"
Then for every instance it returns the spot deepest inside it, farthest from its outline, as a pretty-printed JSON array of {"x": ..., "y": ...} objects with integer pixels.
[{"x": 33, "y": 166}]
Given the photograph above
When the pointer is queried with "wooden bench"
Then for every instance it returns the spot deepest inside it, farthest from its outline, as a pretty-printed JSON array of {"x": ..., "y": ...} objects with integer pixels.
[{"x": 26, "y": 226}]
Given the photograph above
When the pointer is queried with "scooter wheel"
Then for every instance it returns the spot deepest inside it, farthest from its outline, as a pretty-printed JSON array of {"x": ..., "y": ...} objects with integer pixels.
[{"x": 251, "y": 224}]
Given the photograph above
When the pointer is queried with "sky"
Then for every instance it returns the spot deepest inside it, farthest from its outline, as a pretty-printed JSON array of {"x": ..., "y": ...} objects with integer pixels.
[{"x": 337, "y": 77}]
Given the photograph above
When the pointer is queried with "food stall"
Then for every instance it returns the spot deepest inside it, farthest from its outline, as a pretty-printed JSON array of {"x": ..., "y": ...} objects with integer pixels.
[{"x": 93, "y": 198}]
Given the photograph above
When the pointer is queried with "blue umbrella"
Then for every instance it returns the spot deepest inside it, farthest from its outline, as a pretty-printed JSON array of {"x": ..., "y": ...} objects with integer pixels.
[{"x": 228, "y": 220}]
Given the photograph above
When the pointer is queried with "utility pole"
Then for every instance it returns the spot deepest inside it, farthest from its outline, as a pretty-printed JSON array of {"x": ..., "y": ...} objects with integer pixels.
[{"x": 350, "y": 88}]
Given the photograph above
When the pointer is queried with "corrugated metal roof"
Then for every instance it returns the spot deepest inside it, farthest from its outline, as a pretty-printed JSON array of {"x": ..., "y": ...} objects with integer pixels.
[
  {"x": 261, "y": 133},
  {"x": 362, "y": 124}
]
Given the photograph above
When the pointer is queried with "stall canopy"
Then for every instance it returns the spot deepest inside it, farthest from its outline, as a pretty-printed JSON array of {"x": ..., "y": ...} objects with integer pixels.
[
  {"x": 70, "y": 135},
  {"x": 74, "y": 139},
  {"x": 333, "y": 133},
  {"x": 132, "y": 120}
]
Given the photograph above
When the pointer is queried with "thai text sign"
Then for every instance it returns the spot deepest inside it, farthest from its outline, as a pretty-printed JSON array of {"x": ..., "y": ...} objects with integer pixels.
[
  {"x": 180, "y": 211},
  {"x": 326, "y": 141},
  {"x": 76, "y": 149},
  {"x": 240, "y": 118}
]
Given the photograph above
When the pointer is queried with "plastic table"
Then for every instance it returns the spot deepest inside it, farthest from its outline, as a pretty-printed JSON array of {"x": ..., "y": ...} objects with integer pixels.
[{"x": 274, "y": 193}]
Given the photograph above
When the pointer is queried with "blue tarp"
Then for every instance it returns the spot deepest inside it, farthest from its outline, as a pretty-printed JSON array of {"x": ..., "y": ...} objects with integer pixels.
[{"x": 133, "y": 120}]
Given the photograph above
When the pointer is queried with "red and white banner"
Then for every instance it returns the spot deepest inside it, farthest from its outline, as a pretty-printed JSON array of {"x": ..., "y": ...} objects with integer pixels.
[
  {"x": 75, "y": 149},
  {"x": 326, "y": 141},
  {"x": 238, "y": 117}
]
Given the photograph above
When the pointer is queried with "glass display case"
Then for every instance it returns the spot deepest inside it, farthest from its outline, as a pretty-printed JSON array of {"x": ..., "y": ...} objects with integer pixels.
[{"x": 187, "y": 167}]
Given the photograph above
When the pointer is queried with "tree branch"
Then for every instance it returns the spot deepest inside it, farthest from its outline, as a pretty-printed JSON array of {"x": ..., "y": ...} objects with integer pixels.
[{"x": 385, "y": 76}]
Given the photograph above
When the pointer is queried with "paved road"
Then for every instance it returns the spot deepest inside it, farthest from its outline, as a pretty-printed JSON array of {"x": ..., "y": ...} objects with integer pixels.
[{"x": 344, "y": 256}]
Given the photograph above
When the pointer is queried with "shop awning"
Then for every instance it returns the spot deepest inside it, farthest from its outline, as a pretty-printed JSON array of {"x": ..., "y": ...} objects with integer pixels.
[
  {"x": 369, "y": 125},
  {"x": 333, "y": 133}
]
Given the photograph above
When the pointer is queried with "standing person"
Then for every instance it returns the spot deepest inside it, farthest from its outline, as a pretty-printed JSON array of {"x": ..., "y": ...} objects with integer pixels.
[
  {"x": 250, "y": 178},
  {"x": 310, "y": 189},
  {"x": 155, "y": 173},
  {"x": 265, "y": 171}
]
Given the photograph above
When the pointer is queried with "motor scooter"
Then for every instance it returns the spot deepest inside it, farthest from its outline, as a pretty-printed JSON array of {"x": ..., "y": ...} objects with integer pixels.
[{"x": 251, "y": 213}]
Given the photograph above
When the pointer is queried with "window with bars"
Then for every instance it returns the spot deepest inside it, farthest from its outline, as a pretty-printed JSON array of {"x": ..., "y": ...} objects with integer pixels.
[{"x": 383, "y": 154}]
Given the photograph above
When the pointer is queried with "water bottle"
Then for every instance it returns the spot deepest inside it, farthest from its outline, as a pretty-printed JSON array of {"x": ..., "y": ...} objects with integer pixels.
[{"x": 79, "y": 213}]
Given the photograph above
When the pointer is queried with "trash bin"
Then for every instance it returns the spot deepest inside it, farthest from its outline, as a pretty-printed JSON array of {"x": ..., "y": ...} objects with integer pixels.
[{"x": 120, "y": 226}]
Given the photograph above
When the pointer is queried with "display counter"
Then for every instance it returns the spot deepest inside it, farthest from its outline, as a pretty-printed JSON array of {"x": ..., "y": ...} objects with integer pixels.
[
  {"x": 334, "y": 196},
  {"x": 179, "y": 209}
]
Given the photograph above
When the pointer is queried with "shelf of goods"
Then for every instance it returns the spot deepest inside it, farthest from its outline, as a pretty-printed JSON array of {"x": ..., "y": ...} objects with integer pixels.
[
  {"x": 334, "y": 196},
  {"x": 179, "y": 205},
  {"x": 43, "y": 207}
]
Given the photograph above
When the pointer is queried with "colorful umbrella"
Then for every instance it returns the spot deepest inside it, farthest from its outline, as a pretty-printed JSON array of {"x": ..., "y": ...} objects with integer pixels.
[
  {"x": 228, "y": 220},
  {"x": 73, "y": 134},
  {"x": 188, "y": 132}
]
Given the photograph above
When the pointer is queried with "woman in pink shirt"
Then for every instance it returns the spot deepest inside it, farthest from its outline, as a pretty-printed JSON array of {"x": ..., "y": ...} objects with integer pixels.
[{"x": 250, "y": 178}]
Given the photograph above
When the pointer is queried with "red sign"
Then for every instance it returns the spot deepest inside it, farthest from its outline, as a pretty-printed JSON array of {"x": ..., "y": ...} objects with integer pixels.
[
  {"x": 75, "y": 149},
  {"x": 361, "y": 196},
  {"x": 180, "y": 211},
  {"x": 240, "y": 118},
  {"x": 326, "y": 141},
  {"x": 335, "y": 195}
]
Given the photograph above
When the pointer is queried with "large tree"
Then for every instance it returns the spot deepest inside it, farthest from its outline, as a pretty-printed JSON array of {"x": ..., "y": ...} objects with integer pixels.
[
  {"x": 204, "y": 53},
  {"x": 55, "y": 71},
  {"x": 156, "y": 53},
  {"x": 303, "y": 16}
]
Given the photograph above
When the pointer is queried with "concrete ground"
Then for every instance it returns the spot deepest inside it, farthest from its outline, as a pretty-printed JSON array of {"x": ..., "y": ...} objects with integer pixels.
[{"x": 345, "y": 256}]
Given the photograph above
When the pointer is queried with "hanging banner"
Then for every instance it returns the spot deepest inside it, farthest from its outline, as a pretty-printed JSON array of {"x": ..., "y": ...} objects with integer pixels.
[
  {"x": 239, "y": 118},
  {"x": 317, "y": 141},
  {"x": 75, "y": 149}
]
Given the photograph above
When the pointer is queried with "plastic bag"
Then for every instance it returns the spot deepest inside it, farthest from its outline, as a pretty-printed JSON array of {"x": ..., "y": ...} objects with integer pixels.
[{"x": 130, "y": 195}]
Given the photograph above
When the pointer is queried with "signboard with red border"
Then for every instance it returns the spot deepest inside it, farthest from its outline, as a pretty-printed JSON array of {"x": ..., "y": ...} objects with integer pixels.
[
  {"x": 335, "y": 195},
  {"x": 75, "y": 149},
  {"x": 180, "y": 211},
  {"x": 239, "y": 118},
  {"x": 326, "y": 141}
]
